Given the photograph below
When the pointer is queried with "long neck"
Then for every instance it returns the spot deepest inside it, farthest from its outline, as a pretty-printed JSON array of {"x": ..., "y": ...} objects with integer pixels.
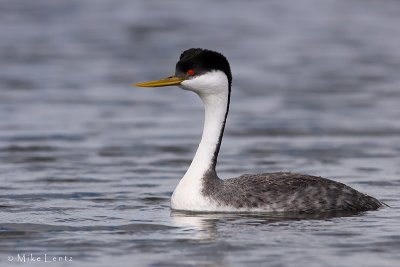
[{"x": 216, "y": 111}]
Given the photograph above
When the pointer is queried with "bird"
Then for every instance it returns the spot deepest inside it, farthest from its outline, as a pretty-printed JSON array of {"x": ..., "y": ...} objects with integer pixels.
[{"x": 208, "y": 74}]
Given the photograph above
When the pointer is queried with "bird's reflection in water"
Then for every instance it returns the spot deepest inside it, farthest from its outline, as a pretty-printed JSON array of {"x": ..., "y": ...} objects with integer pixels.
[{"x": 205, "y": 225}]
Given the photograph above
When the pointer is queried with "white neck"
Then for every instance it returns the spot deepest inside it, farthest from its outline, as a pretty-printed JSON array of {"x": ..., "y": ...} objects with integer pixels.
[
  {"x": 215, "y": 110},
  {"x": 213, "y": 89}
]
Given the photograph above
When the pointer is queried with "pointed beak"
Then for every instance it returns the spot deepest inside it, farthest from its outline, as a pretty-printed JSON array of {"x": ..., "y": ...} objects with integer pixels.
[{"x": 162, "y": 82}]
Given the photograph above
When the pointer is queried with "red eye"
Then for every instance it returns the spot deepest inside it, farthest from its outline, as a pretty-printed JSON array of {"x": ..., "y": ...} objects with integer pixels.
[{"x": 190, "y": 72}]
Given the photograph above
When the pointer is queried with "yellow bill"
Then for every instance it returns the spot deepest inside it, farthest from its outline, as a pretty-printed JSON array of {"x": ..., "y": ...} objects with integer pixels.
[{"x": 162, "y": 82}]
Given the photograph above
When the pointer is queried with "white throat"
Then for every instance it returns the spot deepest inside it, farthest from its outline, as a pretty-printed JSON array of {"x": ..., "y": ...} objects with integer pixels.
[{"x": 213, "y": 89}]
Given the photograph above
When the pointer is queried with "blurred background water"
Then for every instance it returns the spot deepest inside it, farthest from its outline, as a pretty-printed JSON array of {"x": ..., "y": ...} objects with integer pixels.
[{"x": 88, "y": 163}]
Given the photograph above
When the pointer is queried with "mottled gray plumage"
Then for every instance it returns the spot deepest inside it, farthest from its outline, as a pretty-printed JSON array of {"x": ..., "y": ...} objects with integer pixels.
[{"x": 285, "y": 191}]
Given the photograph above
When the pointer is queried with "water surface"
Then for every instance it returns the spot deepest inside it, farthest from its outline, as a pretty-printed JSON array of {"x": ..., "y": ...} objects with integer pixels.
[{"x": 88, "y": 163}]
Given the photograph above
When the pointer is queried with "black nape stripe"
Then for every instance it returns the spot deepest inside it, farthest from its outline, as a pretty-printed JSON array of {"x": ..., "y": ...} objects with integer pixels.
[{"x": 215, "y": 157}]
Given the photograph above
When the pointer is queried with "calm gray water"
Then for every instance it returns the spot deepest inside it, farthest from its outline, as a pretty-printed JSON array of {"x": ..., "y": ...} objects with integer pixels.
[{"x": 88, "y": 163}]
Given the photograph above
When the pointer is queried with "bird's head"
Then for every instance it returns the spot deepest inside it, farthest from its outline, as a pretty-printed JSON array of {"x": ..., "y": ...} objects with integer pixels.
[{"x": 199, "y": 70}]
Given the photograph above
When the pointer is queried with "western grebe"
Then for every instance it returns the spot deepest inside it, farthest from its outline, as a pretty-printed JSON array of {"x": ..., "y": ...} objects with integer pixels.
[{"x": 208, "y": 74}]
